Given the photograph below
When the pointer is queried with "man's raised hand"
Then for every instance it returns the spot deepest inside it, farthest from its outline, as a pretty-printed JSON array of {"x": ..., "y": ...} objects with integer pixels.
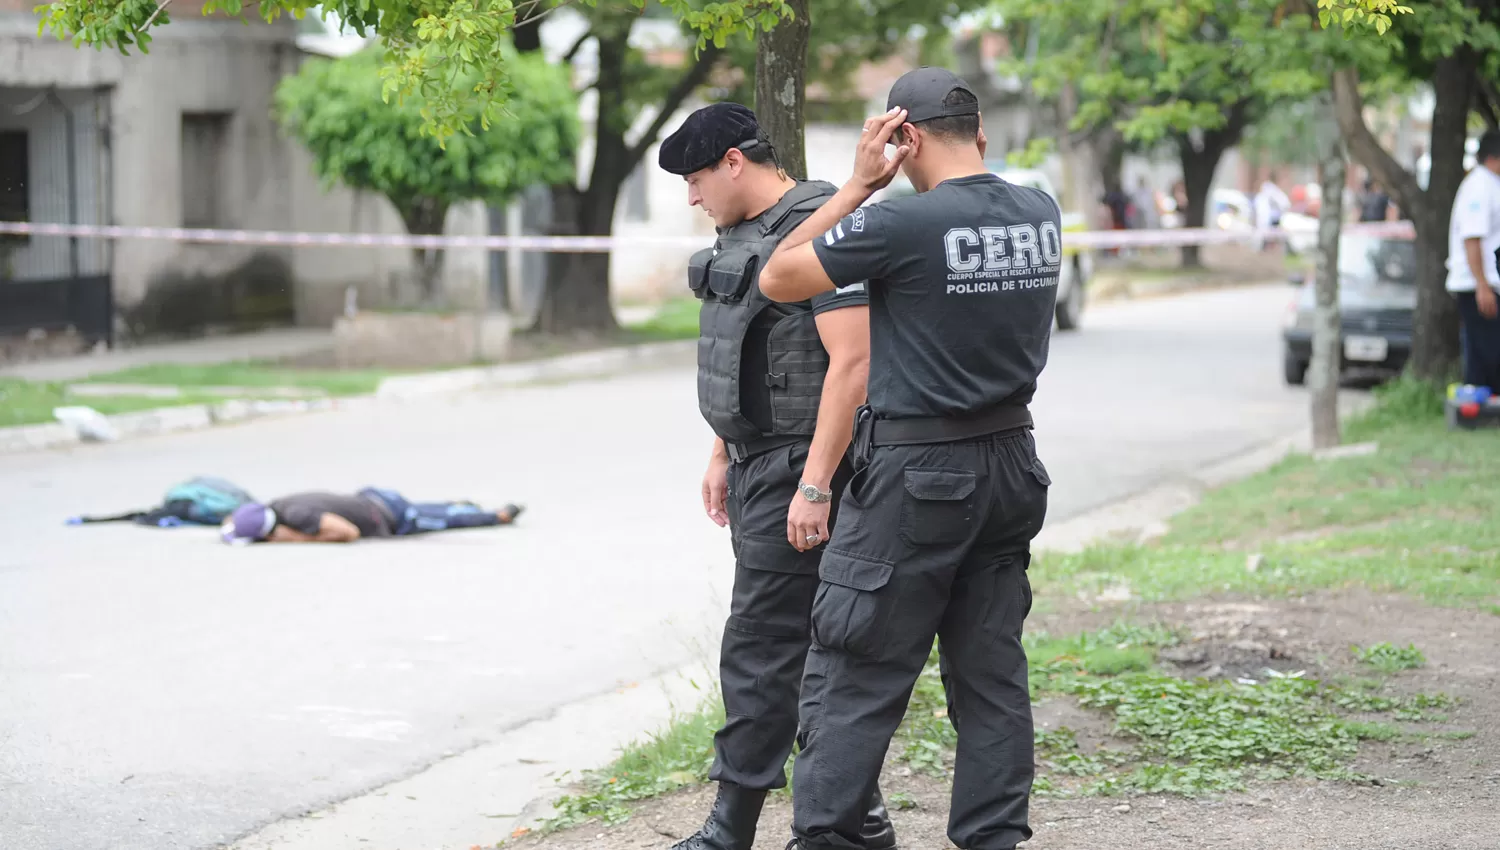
[{"x": 872, "y": 169}]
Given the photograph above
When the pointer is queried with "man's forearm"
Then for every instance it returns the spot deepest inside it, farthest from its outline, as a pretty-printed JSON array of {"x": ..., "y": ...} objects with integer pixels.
[
  {"x": 283, "y": 534},
  {"x": 719, "y": 451},
  {"x": 843, "y": 393},
  {"x": 1475, "y": 254},
  {"x": 844, "y": 202}
]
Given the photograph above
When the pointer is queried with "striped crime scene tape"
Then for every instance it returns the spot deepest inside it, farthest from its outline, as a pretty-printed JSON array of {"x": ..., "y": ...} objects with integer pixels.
[{"x": 1072, "y": 239}]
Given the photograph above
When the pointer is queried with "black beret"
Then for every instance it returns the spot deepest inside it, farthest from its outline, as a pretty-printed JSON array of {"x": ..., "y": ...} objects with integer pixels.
[{"x": 706, "y": 136}]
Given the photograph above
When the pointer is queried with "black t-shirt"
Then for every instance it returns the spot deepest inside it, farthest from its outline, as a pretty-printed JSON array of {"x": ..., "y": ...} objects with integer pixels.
[
  {"x": 1373, "y": 207},
  {"x": 755, "y": 360},
  {"x": 962, "y": 283},
  {"x": 302, "y": 512}
]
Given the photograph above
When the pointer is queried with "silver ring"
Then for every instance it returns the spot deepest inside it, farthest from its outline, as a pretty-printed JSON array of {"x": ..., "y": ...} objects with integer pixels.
[{"x": 814, "y": 538}]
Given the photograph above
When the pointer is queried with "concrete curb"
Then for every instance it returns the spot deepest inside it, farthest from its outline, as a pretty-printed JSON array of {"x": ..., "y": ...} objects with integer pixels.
[
  {"x": 193, "y": 417},
  {"x": 585, "y": 364},
  {"x": 1143, "y": 515}
]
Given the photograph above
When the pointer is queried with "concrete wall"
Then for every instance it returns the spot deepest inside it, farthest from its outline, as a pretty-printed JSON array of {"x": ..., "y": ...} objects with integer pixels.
[
  {"x": 194, "y": 66},
  {"x": 379, "y": 276},
  {"x": 266, "y": 181}
]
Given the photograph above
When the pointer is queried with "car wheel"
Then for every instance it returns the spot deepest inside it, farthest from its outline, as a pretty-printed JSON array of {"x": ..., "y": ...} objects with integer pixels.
[
  {"x": 1295, "y": 370},
  {"x": 1070, "y": 309}
]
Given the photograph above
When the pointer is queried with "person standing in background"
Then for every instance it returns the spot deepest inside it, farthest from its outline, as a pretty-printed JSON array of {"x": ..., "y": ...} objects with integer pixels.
[{"x": 1473, "y": 239}]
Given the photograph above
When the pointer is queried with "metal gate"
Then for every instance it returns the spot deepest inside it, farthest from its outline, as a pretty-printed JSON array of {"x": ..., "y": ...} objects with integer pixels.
[{"x": 54, "y": 168}]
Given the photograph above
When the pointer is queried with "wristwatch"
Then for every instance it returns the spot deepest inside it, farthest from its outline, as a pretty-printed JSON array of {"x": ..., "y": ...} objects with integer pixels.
[{"x": 813, "y": 494}]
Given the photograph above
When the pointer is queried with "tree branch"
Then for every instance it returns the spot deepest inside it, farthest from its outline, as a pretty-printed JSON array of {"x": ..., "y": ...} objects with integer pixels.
[
  {"x": 567, "y": 58},
  {"x": 159, "y": 10},
  {"x": 1349, "y": 108},
  {"x": 534, "y": 18},
  {"x": 1488, "y": 101},
  {"x": 1235, "y": 122},
  {"x": 689, "y": 83}
]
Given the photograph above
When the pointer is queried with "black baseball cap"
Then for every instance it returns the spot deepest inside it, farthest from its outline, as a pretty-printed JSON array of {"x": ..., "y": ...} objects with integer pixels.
[{"x": 922, "y": 92}]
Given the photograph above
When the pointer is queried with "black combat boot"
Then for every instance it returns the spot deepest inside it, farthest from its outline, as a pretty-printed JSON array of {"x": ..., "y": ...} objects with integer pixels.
[
  {"x": 878, "y": 832},
  {"x": 731, "y": 822}
]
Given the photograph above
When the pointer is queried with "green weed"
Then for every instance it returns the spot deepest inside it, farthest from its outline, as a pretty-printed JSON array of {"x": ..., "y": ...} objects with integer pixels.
[
  {"x": 249, "y": 374},
  {"x": 901, "y": 801},
  {"x": 32, "y": 402},
  {"x": 1404, "y": 401},
  {"x": 677, "y": 757},
  {"x": 1389, "y": 659},
  {"x": 1374, "y": 731}
]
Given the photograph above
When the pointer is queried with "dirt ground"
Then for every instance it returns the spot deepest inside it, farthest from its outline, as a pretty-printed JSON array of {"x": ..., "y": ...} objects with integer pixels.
[{"x": 1433, "y": 793}]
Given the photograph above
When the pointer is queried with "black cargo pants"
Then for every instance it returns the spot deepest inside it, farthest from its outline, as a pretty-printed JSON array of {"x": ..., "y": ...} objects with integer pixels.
[
  {"x": 933, "y": 540},
  {"x": 766, "y": 637}
]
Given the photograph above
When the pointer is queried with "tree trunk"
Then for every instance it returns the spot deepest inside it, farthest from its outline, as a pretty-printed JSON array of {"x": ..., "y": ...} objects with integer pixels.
[
  {"x": 1435, "y": 341},
  {"x": 1109, "y": 152},
  {"x": 576, "y": 298},
  {"x": 1198, "y": 167},
  {"x": 781, "y": 86},
  {"x": 425, "y": 217},
  {"x": 1199, "y": 162},
  {"x": 527, "y": 33},
  {"x": 1435, "y": 337},
  {"x": 1080, "y": 189},
  {"x": 1323, "y": 376}
]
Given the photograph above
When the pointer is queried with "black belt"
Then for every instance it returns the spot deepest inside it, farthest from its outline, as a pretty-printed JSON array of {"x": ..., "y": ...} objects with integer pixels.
[
  {"x": 741, "y": 452},
  {"x": 945, "y": 429}
]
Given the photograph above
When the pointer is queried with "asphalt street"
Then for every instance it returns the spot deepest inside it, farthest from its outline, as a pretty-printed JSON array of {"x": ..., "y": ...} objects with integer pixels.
[{"x": 160, "y": 690}]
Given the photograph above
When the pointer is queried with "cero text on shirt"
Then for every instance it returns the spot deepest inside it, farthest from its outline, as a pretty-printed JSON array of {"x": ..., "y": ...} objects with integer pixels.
[{"x": 1003, "y": 259}]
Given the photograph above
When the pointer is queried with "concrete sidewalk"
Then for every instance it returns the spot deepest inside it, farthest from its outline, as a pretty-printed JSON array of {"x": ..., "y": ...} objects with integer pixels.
[
  {"x": 260, "y": 345},
  {"x": 229, "y": 348}
]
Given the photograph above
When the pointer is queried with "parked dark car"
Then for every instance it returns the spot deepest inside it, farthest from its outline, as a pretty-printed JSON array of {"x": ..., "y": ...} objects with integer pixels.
[{"x": 1377, "y": 300}]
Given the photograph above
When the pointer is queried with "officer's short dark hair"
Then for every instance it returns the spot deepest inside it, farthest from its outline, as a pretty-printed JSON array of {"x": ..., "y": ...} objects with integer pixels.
[
  {"x": 759, "y": 153},
  {"x": 952, "y": 128},
  {"x": 1489, "y": 146}
]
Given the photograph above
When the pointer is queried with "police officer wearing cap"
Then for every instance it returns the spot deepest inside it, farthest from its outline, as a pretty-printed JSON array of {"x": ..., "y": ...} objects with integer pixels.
[
  {"x": 936, "y": 525},
  {"x": 779, "y": 385}
]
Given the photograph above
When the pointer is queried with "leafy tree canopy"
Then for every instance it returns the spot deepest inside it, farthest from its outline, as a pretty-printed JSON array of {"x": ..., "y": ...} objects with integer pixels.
[
  {"x": 1154, "y": 68},
  {"x": 446, "y": 52},
  {"x": 336, "y": 109}
]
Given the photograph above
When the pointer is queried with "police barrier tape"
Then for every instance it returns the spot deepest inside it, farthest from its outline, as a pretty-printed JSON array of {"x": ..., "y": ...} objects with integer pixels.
[{"x": 1169, "y": 238}]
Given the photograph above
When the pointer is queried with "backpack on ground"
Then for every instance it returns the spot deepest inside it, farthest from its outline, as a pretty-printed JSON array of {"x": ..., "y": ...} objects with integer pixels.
[{"x": 199, "y": 501}]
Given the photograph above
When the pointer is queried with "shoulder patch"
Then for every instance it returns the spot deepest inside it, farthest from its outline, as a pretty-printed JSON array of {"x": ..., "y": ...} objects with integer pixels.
[{"x": 859, "y": 220}]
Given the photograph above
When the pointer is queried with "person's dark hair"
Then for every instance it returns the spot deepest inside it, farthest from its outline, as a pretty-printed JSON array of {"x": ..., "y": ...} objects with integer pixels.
[
  {"x": 762, "y": 152},
  {"x": 1489, "y": 146},
  {"x": 953, "y": 128}
]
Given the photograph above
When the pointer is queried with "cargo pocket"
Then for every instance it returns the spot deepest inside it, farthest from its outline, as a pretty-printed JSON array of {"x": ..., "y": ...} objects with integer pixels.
[
  {"x": 937, "y": 507},
  {"x": 1039, "y": 472},
  {"x": 698, "y": 272},
  {"x": 731, "y": 273},
  {"x": 850, "y": 610}
]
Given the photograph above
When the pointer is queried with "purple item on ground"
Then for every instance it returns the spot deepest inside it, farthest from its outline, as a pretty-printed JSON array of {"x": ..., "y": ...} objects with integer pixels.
[{"x": 248, "y": 524}]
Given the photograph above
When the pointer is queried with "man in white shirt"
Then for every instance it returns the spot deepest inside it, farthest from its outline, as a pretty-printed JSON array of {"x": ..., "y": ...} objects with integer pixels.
[
  {"x": 1269, "y": 205},
  {"x": 1473, "y": 238}
]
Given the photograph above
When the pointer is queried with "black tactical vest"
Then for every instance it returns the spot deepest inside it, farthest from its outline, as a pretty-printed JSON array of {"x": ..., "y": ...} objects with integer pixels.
[{"x": 726, "y": 278}]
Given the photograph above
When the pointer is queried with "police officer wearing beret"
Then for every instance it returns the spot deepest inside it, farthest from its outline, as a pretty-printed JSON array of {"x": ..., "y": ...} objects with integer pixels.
[
  {"x": 779, "y": 385},
  {"x": 936, "y": 525}
]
